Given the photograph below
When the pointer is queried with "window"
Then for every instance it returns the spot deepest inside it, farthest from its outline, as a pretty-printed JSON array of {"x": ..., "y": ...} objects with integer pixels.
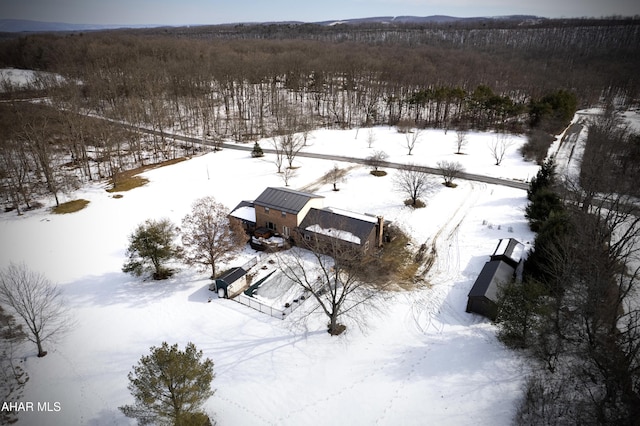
[
  {"x": 284, "y": 214},
  {"x": 271, "y": 225},
  {"x": 266, "y": 210},
  {"x": 285, "y": 231}
]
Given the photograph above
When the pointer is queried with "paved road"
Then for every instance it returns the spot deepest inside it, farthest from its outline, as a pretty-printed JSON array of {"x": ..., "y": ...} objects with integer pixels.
[{"x": 387, "y": 164}]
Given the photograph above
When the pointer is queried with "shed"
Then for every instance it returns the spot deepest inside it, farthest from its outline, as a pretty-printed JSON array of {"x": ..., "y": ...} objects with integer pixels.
[
  {"x": 230, "y": 283},
  {"x": 509, "y": 250},
  {"x": 483, "y": 296}
]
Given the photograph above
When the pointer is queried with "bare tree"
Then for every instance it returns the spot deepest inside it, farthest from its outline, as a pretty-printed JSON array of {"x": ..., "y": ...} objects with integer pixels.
[
  {"x": 376, "y": 160},
  {"x": 291, "y": 144},
  {"x": 411, "y": 139},
  {"x": 461, "y": 140},
  {"x": 276, "y": 142},
  {"x": 334, "y": 273},
  {"x": 209, "y": 235},
  {"x": 499, "y": 146},
  {"x": 450, "y": 170},
  {"x": 371, "y": 138},
  {"x": 288, "y": 174},
  {"x": 36, "y": 301},
  {"x": 336, "y": 176},
  {"x": 412, "y": 181}
]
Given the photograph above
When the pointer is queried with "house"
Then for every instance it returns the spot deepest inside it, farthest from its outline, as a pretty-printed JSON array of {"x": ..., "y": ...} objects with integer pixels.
[
  {"x": 245, "y": 212},
  {"x": 355, "y": 230},
  {"x": 282, "y": 209},
  {"x": 230, "y": 284},
  {"x": 499, "y": 270},
  {"x": 280, "y": 216}
]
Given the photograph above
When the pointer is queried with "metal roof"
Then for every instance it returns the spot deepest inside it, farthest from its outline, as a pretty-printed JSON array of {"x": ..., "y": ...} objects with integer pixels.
[
  {"x": 508, "y": 249},
  {"x": 232, "y": 276},
  {"x": 330, "y": 219},
  {"x": 284, "y": 199},
  {"x": 493, "y": 274}
]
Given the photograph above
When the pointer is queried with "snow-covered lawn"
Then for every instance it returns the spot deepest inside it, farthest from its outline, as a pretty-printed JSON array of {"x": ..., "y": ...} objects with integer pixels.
[{"x": 421, "y": 359}]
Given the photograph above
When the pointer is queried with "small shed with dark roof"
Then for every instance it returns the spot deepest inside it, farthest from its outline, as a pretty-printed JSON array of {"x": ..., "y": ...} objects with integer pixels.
[
  {"x": 500, "y": 270},
  {"x": 230, "y": 283}
]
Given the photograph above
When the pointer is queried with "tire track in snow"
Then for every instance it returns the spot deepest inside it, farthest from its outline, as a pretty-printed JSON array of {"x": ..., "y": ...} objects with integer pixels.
[
  {"x": 442, "y": 265},
  {"x": 443, "y": 261}
]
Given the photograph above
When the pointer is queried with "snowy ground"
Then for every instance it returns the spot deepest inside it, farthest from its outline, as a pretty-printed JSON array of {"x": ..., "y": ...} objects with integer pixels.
[
  {"x": 13, "y": 78},
  {"x": 421, "y": 360}
]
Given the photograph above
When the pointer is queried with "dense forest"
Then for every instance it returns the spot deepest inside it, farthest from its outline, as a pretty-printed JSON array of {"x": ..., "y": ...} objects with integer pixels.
[{"x": 247, "y": 82}]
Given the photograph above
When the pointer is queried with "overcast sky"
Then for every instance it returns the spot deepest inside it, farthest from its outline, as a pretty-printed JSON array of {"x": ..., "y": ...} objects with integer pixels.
[{"x": 186, "y": 12}]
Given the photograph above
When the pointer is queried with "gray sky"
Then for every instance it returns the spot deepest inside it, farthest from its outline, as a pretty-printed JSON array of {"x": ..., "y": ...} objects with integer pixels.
[{"x": 185, "y": 12}]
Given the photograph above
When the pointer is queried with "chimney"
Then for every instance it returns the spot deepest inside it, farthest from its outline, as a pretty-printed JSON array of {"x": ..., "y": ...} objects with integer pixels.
[{"x": 380, "y": 230}]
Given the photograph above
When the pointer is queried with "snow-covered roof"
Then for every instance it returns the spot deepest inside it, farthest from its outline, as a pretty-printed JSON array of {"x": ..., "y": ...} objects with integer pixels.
[
  {"x": 341, "y": 224},
  {"x": 354, "y": 215},
  {"x": 245, "y": 213},
  {"x": 510, "y": 248},
  {"x": 335, "y": 233}
]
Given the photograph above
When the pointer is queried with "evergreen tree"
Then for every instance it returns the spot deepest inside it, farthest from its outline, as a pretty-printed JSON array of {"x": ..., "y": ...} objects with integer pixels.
[
  {"x": 519, "y": 303},
  {"x": 257, "y": 151},
  {"x": 545, "y": 178},
  {"x": 542, "y": 205},
  {"x": 151, "y": 245},
  {"x": 170, "y": 386}
]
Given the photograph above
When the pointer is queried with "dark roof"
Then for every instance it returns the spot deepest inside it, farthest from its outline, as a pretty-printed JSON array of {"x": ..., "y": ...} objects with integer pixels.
[
  {"x": 350, "y": 223},
  {"x": 243, "y": 203},
  {"x": 284, "y": 199},
  {"x": 232, "y": 276},
  {"x": 493, "y": 274},
  {"x": 509, "y": 250}
]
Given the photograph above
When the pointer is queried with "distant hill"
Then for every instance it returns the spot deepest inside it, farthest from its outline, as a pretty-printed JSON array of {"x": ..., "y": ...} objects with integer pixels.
[
  {"x": 23, "y": 25},
  {"x": 426, "y": 19}
]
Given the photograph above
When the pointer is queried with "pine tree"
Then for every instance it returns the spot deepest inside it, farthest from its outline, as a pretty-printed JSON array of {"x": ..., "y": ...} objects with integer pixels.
[
  {"x": 257, "y": 151},
  {"x": 150, "y": 247},
  {"x": 169, "y": 386},
  {"x": 545, "y": 178}
]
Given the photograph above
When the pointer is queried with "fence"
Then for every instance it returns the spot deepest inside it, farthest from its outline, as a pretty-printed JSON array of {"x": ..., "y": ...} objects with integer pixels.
[
  {"x": 259, "y": 306},
  {"x": 266, "y": 309},
  {"x": 251, "y": 263}
]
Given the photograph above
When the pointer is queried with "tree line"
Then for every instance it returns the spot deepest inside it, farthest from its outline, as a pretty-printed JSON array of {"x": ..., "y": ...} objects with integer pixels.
[
  {"x": 575, "y": 313},
  {"x": 244, "y": 88}
]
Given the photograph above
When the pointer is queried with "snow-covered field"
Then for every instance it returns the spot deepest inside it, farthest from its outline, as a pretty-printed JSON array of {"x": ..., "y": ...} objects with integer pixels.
[
  {"x": 13, "y": 78},
  {"x": 421, "y": 360}
]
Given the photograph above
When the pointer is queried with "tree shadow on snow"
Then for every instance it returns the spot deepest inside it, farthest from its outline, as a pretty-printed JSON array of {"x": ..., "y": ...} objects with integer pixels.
[{"x": 119, "y": 288}]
